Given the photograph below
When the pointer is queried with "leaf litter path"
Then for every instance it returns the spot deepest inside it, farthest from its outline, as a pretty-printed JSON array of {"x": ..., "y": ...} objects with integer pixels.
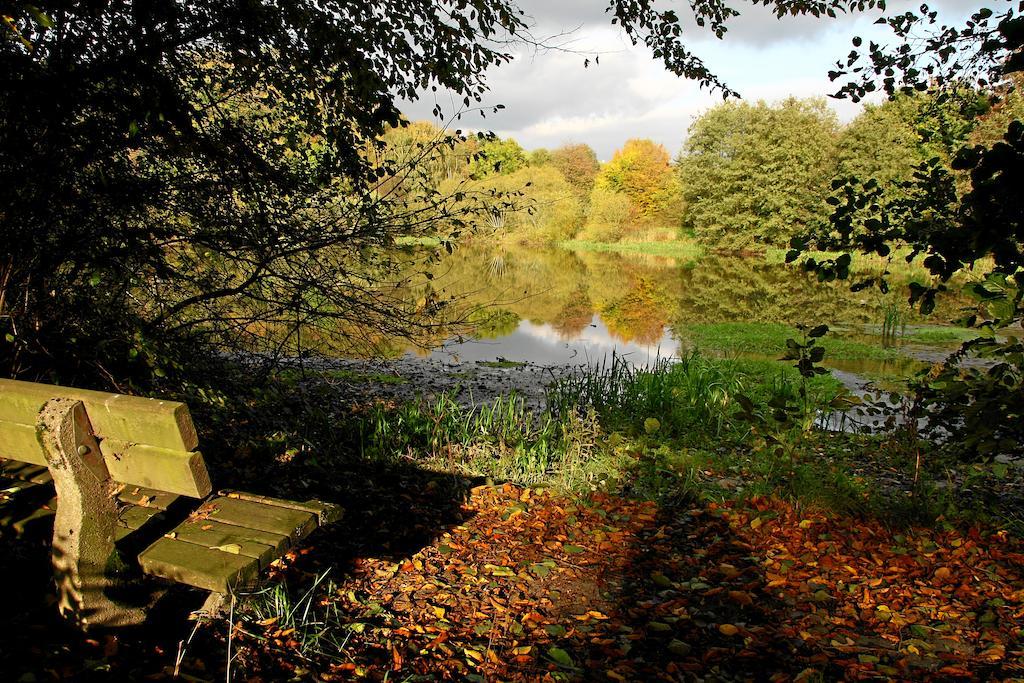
[{"x": 535, "y": 586}]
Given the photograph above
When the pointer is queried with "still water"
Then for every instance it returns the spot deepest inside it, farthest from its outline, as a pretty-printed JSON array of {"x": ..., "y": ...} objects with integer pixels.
[{"x": 554, "y": 306}]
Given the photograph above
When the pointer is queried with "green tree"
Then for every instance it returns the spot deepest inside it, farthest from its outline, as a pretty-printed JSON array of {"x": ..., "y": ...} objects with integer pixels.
[
  {"x": 533, "y": 205},
  {"x": 882, "y": 143},
  {"x": 195, "y": 172},
  {"x": 609, "y": 216},
  {"x": 973, "y": 230},
  {"x": 540, "y": 157},
  {"x": 182, "y": 173},
  {"x": 499, "y": 157},
  {"x": 754, "y": 175}
]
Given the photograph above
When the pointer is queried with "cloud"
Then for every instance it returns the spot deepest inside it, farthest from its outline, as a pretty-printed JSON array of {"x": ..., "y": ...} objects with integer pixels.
[{"x": 551, "y": 99}]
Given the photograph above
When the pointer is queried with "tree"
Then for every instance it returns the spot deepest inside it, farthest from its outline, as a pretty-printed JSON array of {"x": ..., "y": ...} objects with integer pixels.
[
  {"x": 579, "y": 164},
  {"x": 533, "y": 205},
  {"x": 500, "y": 157},
  {"x": 952, "y": 227},
  {"x": 540, "y": 157},
  {"x": 882, "y": 143},
  {"x": 196, "y": 172},
  {"x": 186, "y": 172},
  {"x": 889, "y": 141},
  {"x": 755, "y": 175},
  {"x": 641, "y": 171},
  {"x": 608, "y": 217}
]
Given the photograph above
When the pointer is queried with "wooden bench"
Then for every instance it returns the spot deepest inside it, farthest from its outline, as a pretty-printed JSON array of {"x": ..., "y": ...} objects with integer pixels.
[{"x": 133, "y": 497}]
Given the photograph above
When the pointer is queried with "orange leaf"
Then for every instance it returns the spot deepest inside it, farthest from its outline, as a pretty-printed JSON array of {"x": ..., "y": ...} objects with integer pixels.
[{"x": 742, "y": 597}]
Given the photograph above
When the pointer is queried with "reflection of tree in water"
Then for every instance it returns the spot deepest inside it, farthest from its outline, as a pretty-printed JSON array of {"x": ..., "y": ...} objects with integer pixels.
[
  {"x": 635, "y": 295},
  {"x": 493, "y": 323},
  {"x": 575, "y": 315},
  {"x": 722, "y": 289},
  {"x": 639, "y": 316},
  {"x": 743, "y": 290}
]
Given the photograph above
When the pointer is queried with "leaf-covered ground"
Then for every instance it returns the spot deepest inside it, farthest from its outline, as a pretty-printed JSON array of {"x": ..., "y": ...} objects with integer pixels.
[{"x": 535, "y": 586}]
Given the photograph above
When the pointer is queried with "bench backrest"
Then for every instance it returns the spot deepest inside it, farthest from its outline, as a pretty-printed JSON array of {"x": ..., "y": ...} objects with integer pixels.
[{"x": 145, "y": 441}]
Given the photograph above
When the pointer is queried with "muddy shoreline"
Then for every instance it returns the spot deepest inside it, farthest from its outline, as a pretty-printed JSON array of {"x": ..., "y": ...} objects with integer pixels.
[
  {"x": 470, "y": 383},
  {"x": 413, "y": 378}
]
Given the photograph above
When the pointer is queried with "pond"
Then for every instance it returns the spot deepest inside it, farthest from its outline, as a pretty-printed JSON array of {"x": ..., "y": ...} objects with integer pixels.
[
  {"x": 518, "y": 318},
  {"x": 555, "y": 306}
]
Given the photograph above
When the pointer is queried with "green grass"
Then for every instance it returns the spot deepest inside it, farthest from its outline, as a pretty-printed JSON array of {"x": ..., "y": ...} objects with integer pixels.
[
  {"x": 681, "y": 249},
  {"x": 676, "y": 433},
  {"x": 694, "y": 399},
  {"x": 769, "y": 339},
  {"x": 410, "y": 241},
  {"x": 501, "y": 363},
  {"x": 317, "y": 625},
  {"x": 685, "y": 403},
  {"x": 940, "y": 334}
]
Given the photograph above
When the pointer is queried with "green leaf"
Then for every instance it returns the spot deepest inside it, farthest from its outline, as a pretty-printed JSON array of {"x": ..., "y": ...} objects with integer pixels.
[
  {"x": 41, "y": 17},
  {"x": 561, "y": 658}
]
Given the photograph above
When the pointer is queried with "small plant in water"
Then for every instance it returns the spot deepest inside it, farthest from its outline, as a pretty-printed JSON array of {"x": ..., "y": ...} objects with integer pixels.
[
  {"x": 790, "y": 414},
  {"x": 894, "y": 324}
]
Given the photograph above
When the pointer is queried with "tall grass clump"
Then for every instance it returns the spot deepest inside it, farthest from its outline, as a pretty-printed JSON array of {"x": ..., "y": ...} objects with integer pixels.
[
  {"x": 433, "y": 425},
  {"x": 894, "y": 324},
  {"x": 503, "y": 440},
  {"x": 693, "y": 392},
  {"x": 312, "y": 622}
]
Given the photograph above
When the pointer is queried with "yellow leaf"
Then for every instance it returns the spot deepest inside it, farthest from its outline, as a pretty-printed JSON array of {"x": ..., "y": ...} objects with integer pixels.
[
  {"x": 439, "y": 612},
  {"x": 756, "y": 523},
  {"x": 232, "y": 548}
]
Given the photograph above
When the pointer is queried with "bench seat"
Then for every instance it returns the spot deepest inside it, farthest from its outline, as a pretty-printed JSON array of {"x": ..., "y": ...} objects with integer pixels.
[
  {"x": 133, "y": 490},
  {"x": 221, "y": 545}
]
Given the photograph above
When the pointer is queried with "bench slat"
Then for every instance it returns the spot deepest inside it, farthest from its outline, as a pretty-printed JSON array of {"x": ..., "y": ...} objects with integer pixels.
[
  {"x": 26, "y": 471},
  {"x": 174, "y": 471},
  {"x": 132, "y": 518},
  {"x": 24, "y": 502},
  {"x": 188, "y": 563},
  {"x": 180, "y": 472},
  {"x": 147, "y": 498},
  {"x": 132, "y": 419},
  {"x": 326, "y": 513},
  {"x": 295, "y": 524},
  {"x": 19, "y": 442},
  {"x": 261, "y": 545},
  {"x": 15, "y": 487}
]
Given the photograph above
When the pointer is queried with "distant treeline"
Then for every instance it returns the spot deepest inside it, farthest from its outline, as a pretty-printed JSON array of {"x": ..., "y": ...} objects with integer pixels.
[{"x": 747, "y": 176}]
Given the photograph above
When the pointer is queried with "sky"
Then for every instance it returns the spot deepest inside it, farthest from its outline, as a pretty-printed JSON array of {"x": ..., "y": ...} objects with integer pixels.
[{"x": 550, "y": 99}]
